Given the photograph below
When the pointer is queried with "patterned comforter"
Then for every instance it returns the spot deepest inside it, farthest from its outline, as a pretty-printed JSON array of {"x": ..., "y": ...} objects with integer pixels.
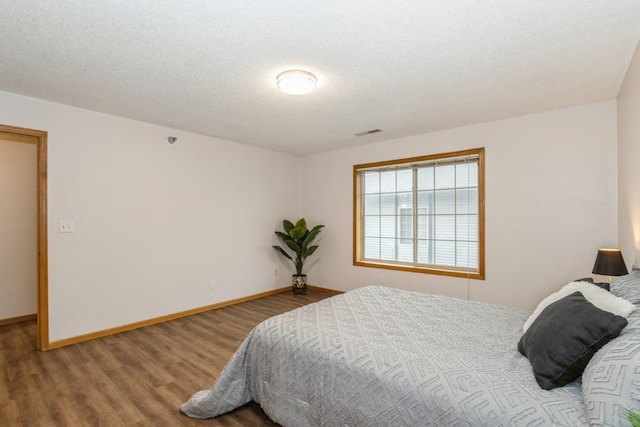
[{"x": 379, "y": 356}]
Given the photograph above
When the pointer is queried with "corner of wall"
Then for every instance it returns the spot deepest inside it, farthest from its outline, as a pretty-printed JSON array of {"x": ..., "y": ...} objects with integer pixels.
[{"x": 628, "y": 111}]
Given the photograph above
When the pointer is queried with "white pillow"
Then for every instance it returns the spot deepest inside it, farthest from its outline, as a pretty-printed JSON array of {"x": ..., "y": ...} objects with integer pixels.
[{"x": 597, "y": 296}]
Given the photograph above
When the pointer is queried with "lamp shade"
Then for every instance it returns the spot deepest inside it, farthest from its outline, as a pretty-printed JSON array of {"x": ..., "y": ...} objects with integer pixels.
[{"x": 609, "y": 262}]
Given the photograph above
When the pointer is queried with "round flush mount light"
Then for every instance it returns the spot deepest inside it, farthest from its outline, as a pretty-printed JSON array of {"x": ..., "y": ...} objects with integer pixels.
[{"x": 296, "y": 82}]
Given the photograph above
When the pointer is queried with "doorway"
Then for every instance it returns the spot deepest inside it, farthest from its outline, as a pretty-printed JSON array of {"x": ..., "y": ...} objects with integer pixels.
[{"x": 42, "y": 317}]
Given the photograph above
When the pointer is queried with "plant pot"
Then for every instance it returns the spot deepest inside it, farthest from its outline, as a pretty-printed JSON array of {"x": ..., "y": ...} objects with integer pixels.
[{"x": 299, "y": 284}]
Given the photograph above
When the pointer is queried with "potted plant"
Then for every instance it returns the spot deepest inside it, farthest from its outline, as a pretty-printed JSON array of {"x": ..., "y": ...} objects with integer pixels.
[{"x": 298, "y": 238}]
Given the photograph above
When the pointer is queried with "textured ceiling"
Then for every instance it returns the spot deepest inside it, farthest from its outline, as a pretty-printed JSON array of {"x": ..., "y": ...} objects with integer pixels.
[{"x": 407, "y": 67}]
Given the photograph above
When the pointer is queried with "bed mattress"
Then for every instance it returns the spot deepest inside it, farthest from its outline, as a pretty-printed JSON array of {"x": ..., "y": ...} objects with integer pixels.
[{"x": 378, "y": 356}]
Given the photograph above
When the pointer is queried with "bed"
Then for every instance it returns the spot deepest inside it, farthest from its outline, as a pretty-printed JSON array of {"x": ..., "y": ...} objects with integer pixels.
[{"x": 379, "y": 356}]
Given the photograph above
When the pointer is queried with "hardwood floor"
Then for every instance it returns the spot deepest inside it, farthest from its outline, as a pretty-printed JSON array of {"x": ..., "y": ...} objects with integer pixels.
[{"x": 136, "y": 378}]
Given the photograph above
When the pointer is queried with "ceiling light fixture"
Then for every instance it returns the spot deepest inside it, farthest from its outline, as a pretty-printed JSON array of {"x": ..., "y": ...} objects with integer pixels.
[{"x": 296, "y": 82}]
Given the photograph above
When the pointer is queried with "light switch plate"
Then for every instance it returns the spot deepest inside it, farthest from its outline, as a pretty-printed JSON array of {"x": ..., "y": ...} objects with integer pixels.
[{"x": 66, "y": 226}]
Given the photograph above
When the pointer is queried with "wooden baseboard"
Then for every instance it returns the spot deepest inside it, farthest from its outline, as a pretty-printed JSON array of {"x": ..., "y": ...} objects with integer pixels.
[
  {"x": 18, "y": 319},
  {"x": 149, "y": 322},
  {"x": 325, "y": 290}
]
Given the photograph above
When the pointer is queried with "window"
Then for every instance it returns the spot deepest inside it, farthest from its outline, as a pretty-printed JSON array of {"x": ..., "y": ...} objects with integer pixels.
[{"x": 423, "y": 214}]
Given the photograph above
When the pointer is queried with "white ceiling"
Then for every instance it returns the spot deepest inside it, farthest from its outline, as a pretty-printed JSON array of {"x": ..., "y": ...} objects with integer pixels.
[{"x": 406, "y": 67}]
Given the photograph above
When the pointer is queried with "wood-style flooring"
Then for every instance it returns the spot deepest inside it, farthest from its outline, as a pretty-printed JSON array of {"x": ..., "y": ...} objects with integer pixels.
[{"x": 135, "y": 378}]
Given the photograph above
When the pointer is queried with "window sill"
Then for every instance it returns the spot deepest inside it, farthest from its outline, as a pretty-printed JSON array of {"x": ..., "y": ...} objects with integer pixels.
[{"x": 424, "y": 270}]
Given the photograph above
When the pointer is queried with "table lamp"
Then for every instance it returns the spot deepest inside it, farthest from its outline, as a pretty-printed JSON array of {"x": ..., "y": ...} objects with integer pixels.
[{"x": 609, "y": 263}]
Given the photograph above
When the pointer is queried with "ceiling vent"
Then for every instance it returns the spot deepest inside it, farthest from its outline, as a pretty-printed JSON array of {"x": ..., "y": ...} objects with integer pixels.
[{"x": 367, "y": 132}]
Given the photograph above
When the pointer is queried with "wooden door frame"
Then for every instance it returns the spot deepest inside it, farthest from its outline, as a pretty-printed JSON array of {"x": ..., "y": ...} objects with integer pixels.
[{"x": 43, "y": 270}]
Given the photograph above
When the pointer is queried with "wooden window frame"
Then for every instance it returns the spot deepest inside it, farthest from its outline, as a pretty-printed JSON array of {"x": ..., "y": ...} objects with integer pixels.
[{"x": 358, "y": 259}]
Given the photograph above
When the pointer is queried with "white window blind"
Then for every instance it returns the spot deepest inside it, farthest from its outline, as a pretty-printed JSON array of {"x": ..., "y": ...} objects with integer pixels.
[{"x": 421, "y": 213}]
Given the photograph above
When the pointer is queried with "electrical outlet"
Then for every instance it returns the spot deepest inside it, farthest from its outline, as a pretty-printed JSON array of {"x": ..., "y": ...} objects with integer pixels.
[
  {"x": 212, "y": 283},
  {"x": 275, "y": 272}
]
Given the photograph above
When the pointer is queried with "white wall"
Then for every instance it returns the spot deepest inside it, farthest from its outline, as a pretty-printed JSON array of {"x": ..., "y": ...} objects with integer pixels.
[
  {"x": 550, "y": 203},
  {"x": 154, "y": 222},
  {"x": 628, "y": 163},
  {"x": 18, "y": 227}
]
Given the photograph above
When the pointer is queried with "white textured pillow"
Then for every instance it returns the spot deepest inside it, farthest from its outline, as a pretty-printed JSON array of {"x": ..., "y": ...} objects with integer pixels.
[
  {"x": 597, "y": 296},
  {"x": 627, "y": 287}
]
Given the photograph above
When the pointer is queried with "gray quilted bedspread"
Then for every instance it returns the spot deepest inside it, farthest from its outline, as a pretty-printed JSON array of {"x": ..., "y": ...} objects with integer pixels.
[{"x": 378, "y": 356}]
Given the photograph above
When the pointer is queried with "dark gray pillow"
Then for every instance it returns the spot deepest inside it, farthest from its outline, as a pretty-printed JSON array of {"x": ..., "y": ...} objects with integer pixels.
[{"x": 564, "y": 337}]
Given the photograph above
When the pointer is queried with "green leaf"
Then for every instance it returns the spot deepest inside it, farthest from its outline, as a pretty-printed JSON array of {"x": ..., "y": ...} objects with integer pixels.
[
  {"x": 279, "y": 249},
  {"x": 287, "y": 225},
  {"x": 297, "y": 233},
  {"x": 310, "y": 251},
  {"x": 309, "y": 238},
  {"x": 293, "y": 245},
  {"x": 283, "y": 236},
  {"x": 633, "y": 416},
  {"x": 301, "y": 224}
]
